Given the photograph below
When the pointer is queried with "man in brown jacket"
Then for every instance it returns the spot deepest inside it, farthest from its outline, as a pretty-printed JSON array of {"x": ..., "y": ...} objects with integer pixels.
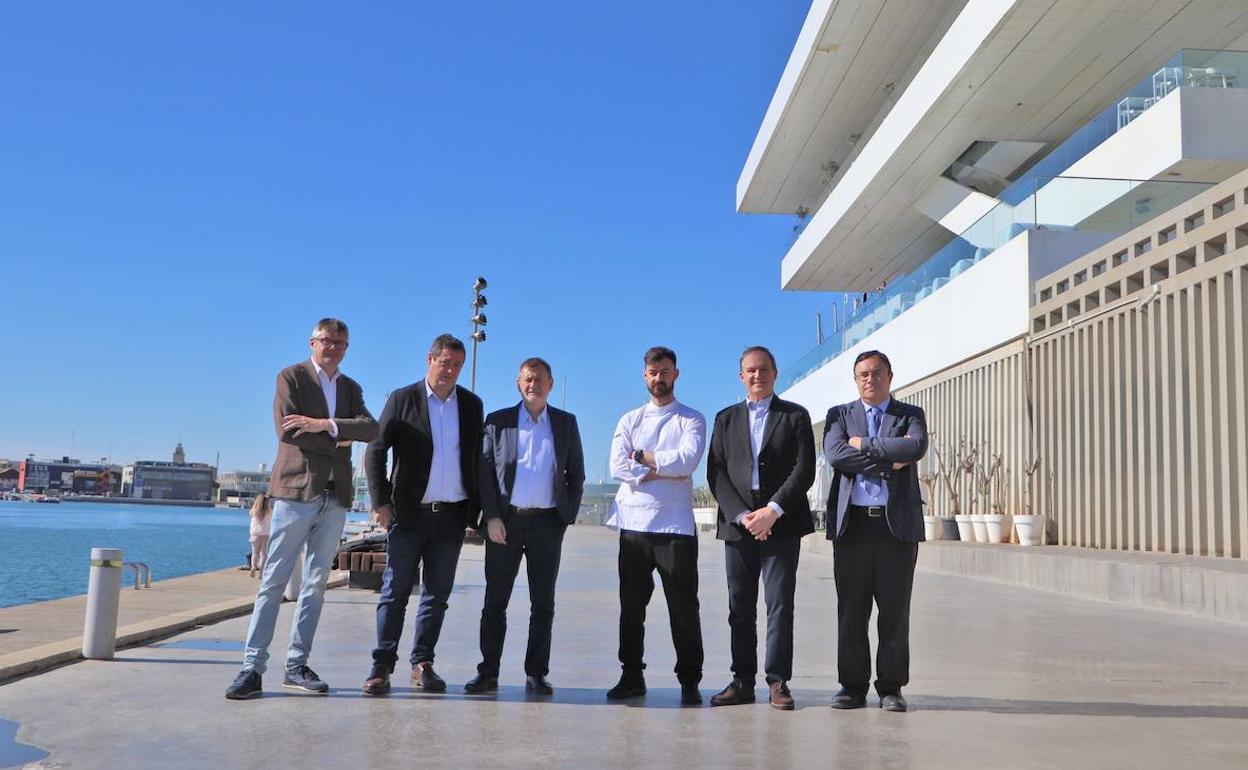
[{"x": 318, "y": 411}]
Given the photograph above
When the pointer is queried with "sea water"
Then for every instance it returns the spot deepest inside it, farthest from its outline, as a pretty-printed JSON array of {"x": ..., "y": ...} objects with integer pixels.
[{"x": 45, "y": 550}]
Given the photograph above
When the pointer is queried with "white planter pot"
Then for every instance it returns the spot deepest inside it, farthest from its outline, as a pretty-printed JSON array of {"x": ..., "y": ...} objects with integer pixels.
[
  {"x": 994, "y": 527},
  {"x": 1030, "y": 529},
  {"x": 966, "y": 532},
  {"x": 931, "y": 528},
  {"x": 981, "y": 529}
]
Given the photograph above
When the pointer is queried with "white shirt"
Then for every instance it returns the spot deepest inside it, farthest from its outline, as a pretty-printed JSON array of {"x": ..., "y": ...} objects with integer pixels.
[
  {"x": 676, "y": 435},
  {"x": 329, "y": 386},
  {"x": 534, "y": 486},
  {"x": 446, "y": 483},
  {"x": 758, "y": 412}
]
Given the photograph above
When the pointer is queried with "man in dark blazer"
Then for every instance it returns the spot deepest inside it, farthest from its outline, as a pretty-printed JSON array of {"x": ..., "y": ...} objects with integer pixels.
[
  {"x": 433, "y": 428},
  {"x": 317, "y": 412},
  {"x": 532, "y": 475},
  {"x": 761, "y": 464},
  {"x": 873, "y": 444}
]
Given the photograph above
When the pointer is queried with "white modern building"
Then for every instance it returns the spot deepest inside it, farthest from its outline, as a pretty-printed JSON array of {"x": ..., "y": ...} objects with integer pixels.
[{"x": 1039, "y": 209}]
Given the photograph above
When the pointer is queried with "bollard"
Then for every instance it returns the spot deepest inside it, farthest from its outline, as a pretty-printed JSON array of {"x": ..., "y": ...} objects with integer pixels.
[
  {"x": 296, "y": 579},
  {"x": 99, "y": 630}
]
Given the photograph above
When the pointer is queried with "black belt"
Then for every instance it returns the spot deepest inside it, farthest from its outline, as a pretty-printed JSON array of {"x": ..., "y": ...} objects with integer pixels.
[
  {"x": 757, "y": 498},
  {"x": 874, "y": 511},
  {"x": 440, "y": 507},
  {"x": 532, "y": 511}
]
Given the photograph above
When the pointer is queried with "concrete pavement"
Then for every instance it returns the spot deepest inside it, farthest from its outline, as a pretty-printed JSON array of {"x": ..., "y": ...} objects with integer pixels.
[{"x": 1002, "y": 676}]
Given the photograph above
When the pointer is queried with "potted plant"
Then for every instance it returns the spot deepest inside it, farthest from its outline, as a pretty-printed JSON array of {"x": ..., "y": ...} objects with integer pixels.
[
  {"x": 998, "y": 479},
  {"x": 931, "y": 522},
  {"x": 955, "y": 525},
  {"x": 1028, "y": 524}
]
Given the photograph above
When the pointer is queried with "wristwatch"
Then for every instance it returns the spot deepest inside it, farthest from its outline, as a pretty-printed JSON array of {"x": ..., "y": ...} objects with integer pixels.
[{"x": 639, "y": 456}]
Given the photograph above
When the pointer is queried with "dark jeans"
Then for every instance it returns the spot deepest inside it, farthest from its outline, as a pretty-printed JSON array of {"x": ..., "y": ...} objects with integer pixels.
[
  {"x": 775, "y": 560},
  {"x": 436, "y": 539},
  {"x": 870, "y": 564},
  {"x": 539, "y": 539},
  {"x": 676, "y": 558}
]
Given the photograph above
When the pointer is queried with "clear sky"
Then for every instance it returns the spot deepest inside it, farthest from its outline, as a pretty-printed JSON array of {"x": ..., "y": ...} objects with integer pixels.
[{"x": 186, "y": 188}]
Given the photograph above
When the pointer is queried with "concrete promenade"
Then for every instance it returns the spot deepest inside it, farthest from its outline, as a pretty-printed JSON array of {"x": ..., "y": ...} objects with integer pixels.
[{"x": 1002, "y": 676}]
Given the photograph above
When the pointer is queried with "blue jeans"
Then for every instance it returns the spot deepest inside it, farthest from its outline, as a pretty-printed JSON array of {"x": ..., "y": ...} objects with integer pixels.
[
  {"x": 318, "y": 525},
  {"x": 435, "y": 538}
]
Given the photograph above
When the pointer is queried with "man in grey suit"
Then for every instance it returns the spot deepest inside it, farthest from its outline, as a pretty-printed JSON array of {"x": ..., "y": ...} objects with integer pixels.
[
  {"x": 872, "y": 445},
  {"x": 531, "y": 478}
]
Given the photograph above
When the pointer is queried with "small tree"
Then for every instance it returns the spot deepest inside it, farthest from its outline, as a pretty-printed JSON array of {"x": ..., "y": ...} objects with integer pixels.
[{"x": 947, "y": 473}]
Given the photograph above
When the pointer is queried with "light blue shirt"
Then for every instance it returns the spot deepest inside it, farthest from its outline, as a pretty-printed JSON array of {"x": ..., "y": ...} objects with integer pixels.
[
  {"x": 534, "y": 486},
  {"x": 871, "y": 490},
  {"x": 446, "y": 483}
]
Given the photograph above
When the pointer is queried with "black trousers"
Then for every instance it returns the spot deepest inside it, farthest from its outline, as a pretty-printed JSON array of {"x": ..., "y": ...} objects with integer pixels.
[
  {"x": 676, "y": 559},
  {"x": 775, "y": 560},
  {"x": 539, "y": 540},
  {"x": 872, "y": 565}
]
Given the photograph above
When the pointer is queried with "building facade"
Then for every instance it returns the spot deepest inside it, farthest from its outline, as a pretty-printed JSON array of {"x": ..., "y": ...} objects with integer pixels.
[
  {"x": 1037, "y": 210},
  {"x": 67, "y": 476}
]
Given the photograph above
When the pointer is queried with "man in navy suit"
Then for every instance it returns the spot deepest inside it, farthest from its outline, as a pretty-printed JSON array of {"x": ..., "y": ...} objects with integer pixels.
[
  {"x": 872, "y": 445},
  {"x": 531, "y": 477},
  {"x": 761, "y": 464}
]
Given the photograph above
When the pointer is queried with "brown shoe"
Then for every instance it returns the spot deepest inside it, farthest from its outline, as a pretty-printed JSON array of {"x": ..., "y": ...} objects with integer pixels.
[
  {"x": 378, "y": 682},
  {"x": 781, "y": 698},
  {"x": 424, "y": 677}
]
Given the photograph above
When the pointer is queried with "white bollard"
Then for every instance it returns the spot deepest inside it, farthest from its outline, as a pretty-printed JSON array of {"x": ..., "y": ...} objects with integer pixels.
[
  {"x": 296, "y": 579},
  {"x": 99, "y": 630}
]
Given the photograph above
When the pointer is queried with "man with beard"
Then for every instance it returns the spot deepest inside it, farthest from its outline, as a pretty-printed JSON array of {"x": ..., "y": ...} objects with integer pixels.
[{"x": 654, "y": 452}]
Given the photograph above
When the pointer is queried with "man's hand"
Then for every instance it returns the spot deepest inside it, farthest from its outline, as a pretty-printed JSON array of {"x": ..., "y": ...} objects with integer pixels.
[
  {"x": 647, "y": 459},
  {"x": 473, "y": 537},
  {"x": 302, "y": 425},
  {"x": 496, "y": 531},
  {"x": 343, "y": 444},
  {"x": 855, "y": 442},
  {"x": 383, "y": 516},
  {"x": 759, "y": 523},
  {"x": 899, "y": 466}
]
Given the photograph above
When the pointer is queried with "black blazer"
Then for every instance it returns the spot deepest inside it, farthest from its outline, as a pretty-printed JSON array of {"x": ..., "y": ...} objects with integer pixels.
[
  {"x": 404, "y": 427},
  {"x": 786, "y": 467},
  {"x": 497, "y": 468},
  {"x": 902, "y": 439}
]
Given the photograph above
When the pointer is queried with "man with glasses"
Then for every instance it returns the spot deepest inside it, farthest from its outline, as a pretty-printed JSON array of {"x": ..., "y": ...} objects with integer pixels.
[
  {"x": 433, "y": 428},
  {"x": 872, "y": 444},
  {"x": 654, "y": 452},
  {"x": 318, "y": 411}
]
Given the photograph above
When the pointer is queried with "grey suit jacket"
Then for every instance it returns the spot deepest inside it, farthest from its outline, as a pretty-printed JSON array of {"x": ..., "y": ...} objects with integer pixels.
[
  {"x": 497, "y": 468},
  {"x": 902, "y": 439}
]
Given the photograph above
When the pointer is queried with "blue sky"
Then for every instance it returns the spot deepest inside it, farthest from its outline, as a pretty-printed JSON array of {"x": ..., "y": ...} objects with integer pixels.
[{"x": 185, "y": 188}]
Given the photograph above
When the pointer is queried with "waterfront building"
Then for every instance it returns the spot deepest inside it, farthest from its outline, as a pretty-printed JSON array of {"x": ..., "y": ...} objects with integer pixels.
[
  {"x": 241, "y": 487},
  {"x": 176, "y": 480},
  {"x": 66, "y": 476},
  {"x": 1039, "y": 210}
]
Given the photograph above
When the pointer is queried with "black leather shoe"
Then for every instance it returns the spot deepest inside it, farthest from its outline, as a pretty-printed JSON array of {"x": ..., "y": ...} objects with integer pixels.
[
  {"x": 378, "y": 682},
  {"x": 537, "y": 684},
  {"x": 304, "y": 679},
  {"x": 893, "y": 702},
  {"x": 481, "y": 684},
  {"x": 245, "y": 686},
  {"x": 629, "y": 686},
  {"x": 735, "y": 694},
  {"x": 690, "y": 695},
  {"x": 423, "y": 676},
  {"x": 844, "y": 699}
]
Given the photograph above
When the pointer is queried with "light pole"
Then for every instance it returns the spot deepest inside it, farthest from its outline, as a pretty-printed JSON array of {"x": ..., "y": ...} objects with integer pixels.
[{"x": 478, "y": 320}]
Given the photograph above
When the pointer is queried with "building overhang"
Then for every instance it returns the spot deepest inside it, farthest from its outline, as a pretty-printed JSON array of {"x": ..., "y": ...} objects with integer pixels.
[{"x": 1016, "y": 70}]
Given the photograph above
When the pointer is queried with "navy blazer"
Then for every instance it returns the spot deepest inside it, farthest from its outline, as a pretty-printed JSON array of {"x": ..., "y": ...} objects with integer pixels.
[
  {"x": 786, "y": 467},
  {"x": 902, "y": 439},
  {"x": 404, "y": 427},
  {"x": 497, "y": 468}
]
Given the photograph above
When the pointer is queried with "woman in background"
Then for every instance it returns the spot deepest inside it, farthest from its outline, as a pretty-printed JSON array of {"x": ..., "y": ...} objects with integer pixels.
[{"x": 261, "y": 511}]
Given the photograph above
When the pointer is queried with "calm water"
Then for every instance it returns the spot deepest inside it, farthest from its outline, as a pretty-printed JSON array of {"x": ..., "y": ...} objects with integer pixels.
[{"x": 45, "y": 549}]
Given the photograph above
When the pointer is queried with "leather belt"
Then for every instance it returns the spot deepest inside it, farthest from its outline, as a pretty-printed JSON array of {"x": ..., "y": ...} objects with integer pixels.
[
  {"x": 440, "y": 507},
  {"x": 874, "y": 511},
  {"x": 532, "y": 511}
]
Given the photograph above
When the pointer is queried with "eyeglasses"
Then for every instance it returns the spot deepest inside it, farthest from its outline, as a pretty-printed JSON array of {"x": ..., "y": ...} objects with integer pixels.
[{"x": 330, "y": 342}]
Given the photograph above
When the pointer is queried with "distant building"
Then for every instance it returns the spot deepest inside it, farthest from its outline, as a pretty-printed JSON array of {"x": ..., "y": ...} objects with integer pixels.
[
  {"x": 66, "y": 476},
  {"x": 160, "y": 480},
  {"x": 241, "y": 487}
]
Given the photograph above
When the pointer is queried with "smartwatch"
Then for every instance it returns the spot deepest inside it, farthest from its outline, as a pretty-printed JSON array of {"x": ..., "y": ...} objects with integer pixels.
[{"x": 639, "y": 455}]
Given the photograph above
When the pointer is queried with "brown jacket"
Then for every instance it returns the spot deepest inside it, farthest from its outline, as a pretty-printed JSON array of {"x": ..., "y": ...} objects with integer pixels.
[{"x": 303, "y": 464}]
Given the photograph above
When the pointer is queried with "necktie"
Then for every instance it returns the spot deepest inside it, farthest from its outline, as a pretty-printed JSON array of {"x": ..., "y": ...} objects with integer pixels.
[{"x": 872, "y": 482}]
